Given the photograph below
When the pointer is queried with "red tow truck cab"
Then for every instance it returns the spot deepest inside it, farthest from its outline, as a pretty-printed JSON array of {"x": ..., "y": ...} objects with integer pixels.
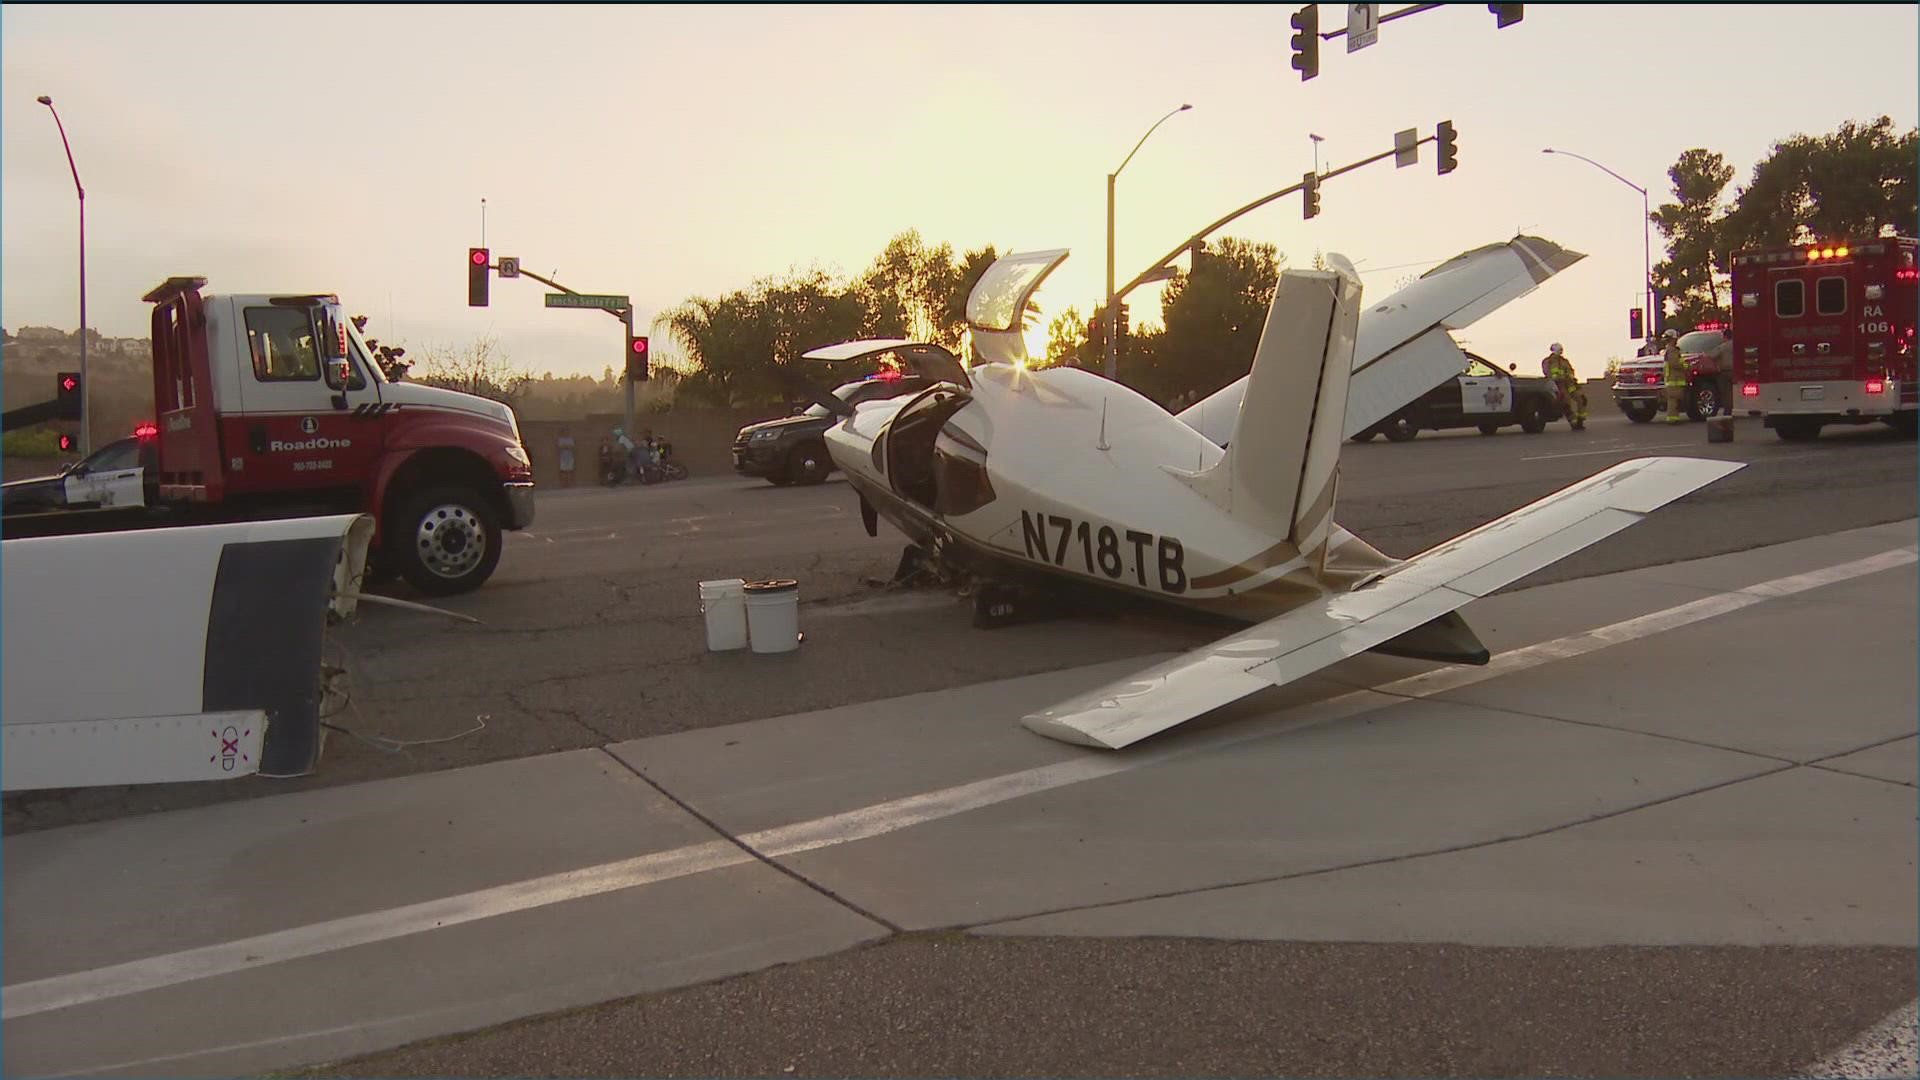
[
  {"x": 1824, "y": 334},
  {"x": 271, "y": 405}
]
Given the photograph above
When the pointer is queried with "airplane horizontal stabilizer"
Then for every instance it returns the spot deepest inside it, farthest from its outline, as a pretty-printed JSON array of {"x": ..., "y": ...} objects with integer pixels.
[{"x": 1336, "y": 626}]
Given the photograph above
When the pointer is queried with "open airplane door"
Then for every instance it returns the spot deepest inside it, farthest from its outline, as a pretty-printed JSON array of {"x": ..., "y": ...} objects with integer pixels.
[
  {"x": 162, "y": 655},
  {"x": 997, "y": 306}
]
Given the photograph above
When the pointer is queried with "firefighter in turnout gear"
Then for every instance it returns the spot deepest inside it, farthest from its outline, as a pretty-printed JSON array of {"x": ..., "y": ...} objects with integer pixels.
[
  {"x": 1676, "y": 387},
  {"x": 1573, "y": 396}
]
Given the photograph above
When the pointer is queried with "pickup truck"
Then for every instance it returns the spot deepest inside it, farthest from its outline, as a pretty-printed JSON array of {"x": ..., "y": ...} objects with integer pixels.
[
  {"x": 1481, "y": 396},
  {"x": 271, "y": 406},
  {"x": 1639, "y": 384}
]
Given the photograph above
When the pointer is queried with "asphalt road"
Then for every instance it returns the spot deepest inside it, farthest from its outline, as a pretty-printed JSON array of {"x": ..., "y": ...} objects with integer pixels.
[
  {"x": 591, "y": 630},
  {"x": 934, "y": 1005}
]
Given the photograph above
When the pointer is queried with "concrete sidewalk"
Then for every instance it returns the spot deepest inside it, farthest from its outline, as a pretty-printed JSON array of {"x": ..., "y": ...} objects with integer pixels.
[{"x": 1744, "y": 778}]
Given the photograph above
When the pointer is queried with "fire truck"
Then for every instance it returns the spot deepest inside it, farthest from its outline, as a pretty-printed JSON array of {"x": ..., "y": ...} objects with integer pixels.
[{"x": 1824, "y": 334}]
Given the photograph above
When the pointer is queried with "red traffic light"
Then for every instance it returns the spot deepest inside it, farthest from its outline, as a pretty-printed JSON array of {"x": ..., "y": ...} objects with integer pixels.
[
  {"x": 479, "y": 256},
  {"x": 69, "y": 383},
  {"x": 639, "y": 346}
]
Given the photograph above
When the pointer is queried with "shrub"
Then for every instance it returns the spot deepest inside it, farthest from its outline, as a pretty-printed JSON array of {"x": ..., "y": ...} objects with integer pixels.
[{"x": 35, "y": 443}]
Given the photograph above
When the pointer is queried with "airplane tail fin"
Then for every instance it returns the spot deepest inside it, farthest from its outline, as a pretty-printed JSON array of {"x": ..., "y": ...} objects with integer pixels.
[{"x": 1281, "y": 469}]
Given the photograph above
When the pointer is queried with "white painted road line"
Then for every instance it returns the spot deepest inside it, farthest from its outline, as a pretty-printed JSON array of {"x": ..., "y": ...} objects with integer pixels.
[
  {"x": 135, "y": 976},
  {"x": 65, "y": 991}
]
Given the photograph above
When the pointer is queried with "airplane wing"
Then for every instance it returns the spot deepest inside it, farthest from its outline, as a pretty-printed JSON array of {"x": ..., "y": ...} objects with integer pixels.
[
  {"x": 1334, "y": 627},
  {"x": 1404, "y": 349}
]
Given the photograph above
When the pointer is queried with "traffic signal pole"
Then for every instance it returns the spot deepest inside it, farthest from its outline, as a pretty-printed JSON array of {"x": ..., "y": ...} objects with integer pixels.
[
  {"x": 1159, "y": 268},
  {"x": 625, "y": 315}
]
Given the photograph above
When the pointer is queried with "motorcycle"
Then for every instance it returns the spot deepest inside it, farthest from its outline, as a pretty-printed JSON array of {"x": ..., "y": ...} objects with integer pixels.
[{"x": 662, "y": 469}]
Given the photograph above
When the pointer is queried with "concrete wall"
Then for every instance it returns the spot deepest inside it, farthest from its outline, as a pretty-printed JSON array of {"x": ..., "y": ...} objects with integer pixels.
[{"x": 702, "y": 439}]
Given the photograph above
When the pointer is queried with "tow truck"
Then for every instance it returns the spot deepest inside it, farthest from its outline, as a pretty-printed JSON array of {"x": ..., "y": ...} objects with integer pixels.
[
  {"x": 1824, "y": 334},
  {"x": 270, "y": 406}
]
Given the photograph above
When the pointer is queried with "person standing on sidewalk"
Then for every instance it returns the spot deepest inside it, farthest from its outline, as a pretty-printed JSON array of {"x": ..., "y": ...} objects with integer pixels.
[{"x": 565, "y": 442}]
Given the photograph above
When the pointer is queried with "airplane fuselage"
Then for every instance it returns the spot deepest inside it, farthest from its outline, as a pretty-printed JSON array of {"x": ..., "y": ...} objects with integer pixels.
[{"x": 1085, "y": 480}]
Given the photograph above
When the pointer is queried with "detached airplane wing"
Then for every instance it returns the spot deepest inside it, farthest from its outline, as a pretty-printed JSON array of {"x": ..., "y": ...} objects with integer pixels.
[
  {"x": 1404, "y": 348},
  {"x": 1334, "y": 627}
]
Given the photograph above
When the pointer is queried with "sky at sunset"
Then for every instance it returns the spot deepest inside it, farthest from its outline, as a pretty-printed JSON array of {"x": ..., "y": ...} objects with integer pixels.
[{"x": 668, "y": 151}]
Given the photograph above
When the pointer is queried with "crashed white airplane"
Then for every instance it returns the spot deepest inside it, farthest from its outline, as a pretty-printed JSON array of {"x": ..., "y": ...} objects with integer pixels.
[{"x": 1018, "y": 475}]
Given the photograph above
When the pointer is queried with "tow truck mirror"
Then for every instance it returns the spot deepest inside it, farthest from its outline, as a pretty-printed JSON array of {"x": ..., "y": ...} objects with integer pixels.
[{"x": 333, "y": 349}]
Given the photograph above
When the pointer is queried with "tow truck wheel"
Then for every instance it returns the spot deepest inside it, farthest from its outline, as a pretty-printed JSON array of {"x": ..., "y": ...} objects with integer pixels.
[
  {"x": 446, "y": 540},
  {"x": 808, "y": 464}
]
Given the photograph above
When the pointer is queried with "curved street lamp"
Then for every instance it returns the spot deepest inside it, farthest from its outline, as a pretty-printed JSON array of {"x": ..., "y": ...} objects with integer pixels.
[
  {"x": 86, "y": 440},
  {"x": 1646, "y": 242},
  {"x": 1112, "y": 312}
]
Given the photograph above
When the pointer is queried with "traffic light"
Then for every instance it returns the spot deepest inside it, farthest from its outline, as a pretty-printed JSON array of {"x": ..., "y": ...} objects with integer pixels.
[
  {"x": 637, "y": 357},
  {"x": 1310, "y": 196},
  {"x": 1449, "y": 153},
  {"x": 1636, "y": 323},
  {"x": 1506, "y": 15},
  {"x": 1121, "y": 329},
  {"x": 68, "y": 444},
  {"x": 477, "y": 280},
  {"x": 66, "y": 393},
  {"x": 1306, "y": 41}
]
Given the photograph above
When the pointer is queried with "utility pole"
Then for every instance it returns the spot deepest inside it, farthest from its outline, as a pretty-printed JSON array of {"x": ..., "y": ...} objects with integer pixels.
[
  {"x": 86, "y": 385},
  {"x": 1112, "y": 314}
]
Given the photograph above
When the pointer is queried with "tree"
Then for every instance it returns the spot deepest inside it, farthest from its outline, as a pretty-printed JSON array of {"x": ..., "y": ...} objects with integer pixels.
[
  {"x": 1856, "y": 181},
  {"x": 746, "y": 346},
  {"x": 482, "y": 368},
  {"x": 1691, "y": 225},
  {"x": 387, "y": 356},
  {"x": 1214, "y": 312},
  {"x": 1071, "y": 343}
]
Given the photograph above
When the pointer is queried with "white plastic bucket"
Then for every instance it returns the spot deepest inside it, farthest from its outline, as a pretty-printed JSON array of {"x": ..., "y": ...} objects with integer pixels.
[
  {"x": 725, "y": 606},
  {"x": 773, "y": 615}
]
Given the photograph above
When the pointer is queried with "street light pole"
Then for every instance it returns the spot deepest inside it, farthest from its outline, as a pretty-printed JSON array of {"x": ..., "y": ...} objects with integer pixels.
[
  {"x": 1646, "y": 234},
  {"x": 1112, "y": 314},
  {"x": 86, "y": 387}
]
